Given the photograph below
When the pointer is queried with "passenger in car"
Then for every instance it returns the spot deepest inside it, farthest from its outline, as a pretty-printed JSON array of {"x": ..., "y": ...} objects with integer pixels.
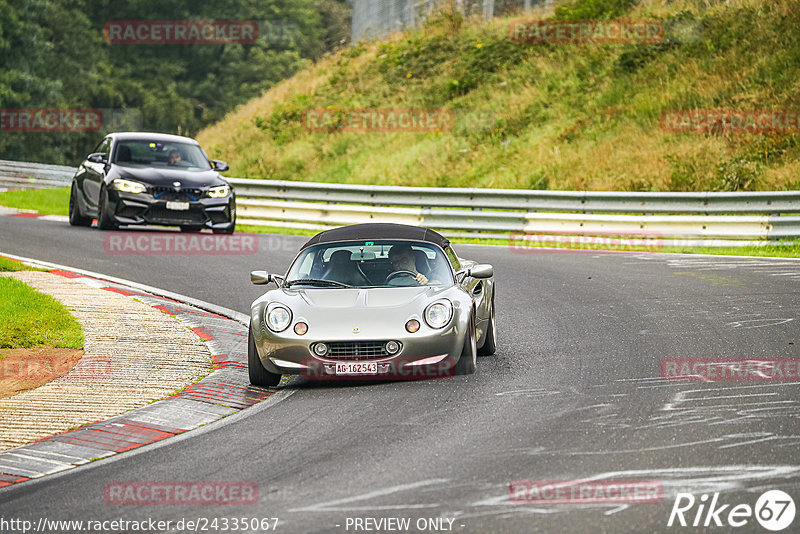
[{"x": 342, "y": 269}]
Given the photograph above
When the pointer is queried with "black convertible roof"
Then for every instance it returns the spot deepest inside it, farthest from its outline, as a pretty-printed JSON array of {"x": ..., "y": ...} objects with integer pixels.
[{"x": 374, "y": 231}]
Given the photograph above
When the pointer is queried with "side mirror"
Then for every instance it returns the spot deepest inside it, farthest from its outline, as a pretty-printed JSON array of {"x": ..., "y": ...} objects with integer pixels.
[
  {"x": 98, "y": 157},
  {"x": 219, "y": 165},
  {"x": 482, "y": 270},
  {"x": 260, "y": 278}
]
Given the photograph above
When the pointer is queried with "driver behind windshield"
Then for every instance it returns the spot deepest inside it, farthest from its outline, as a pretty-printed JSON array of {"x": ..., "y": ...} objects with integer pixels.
[
  {"x": 174, "y": 157},
  {"x": 402, "y": 259}
]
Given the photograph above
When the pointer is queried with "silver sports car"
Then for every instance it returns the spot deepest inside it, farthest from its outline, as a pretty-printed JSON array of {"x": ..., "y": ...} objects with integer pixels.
[{"x": 377, "y": 301}]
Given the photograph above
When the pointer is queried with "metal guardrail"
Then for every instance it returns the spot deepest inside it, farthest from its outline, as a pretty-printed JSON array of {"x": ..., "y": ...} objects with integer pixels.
[{"x": 751, "y": 216}]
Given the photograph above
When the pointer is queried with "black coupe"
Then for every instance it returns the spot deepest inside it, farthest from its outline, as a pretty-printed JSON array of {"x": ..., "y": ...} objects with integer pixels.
[{"x": 137, "y": 178}]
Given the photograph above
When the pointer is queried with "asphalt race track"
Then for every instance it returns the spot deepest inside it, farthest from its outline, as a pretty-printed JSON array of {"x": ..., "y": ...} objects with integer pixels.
[{"x": 573, "y": 393}]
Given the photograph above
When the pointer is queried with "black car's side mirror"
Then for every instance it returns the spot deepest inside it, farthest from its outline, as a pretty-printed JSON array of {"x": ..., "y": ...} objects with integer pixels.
[
  {"x": 98, "y": 157},
  {"x": 220, "y": 165}
]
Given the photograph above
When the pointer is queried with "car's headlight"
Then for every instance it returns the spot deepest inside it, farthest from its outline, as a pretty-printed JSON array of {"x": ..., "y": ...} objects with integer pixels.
[
  {"x": 438, "y": 314},
  {"x": 128, "y": 186},
  {"x": 278, "y": 318},
  {"x": 220, "y": 191}
]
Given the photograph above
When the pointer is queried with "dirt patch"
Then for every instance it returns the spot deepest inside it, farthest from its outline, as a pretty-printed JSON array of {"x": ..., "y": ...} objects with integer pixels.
[{"x": 24, "y": 369}]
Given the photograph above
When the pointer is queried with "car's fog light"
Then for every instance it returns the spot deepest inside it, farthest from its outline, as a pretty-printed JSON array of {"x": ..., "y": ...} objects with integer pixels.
[
  {"x": 392, "y": 347},
  {"x": 412, "y": 325},
  {"x": 300, "y": 328},
  {"x": 320, "y": 349}
]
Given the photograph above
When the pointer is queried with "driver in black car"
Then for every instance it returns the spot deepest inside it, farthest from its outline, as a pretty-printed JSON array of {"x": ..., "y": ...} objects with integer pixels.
[
  {"x": 402, "y": 259},
  {"x": 174, "y": 157}
]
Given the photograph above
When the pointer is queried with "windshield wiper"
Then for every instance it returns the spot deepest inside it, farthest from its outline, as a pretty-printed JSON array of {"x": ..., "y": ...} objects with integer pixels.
[{"x": 316, "y": 281}]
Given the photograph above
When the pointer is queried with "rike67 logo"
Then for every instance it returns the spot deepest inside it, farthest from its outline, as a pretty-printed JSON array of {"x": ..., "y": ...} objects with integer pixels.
[{"x": 774, "y": 510}]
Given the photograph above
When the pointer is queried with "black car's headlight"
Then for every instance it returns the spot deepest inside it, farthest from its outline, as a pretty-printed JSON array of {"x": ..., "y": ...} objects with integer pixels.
[
  {"x": 438, "y": 314},
  {"x": 220, "y": 191},
  {"x": 278, "y": 318},
  {"x": 128, "y": 186}
]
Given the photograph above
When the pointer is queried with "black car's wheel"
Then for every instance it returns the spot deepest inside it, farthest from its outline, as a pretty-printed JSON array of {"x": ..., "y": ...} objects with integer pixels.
[
  {"x": 226, "y": 230},
  {"x": 258, "y": 375},
  {"x": 468, "y": 362},
  {"x": 104, "y": 220},
  {"x": 75, "y": 217},
  {"x": 191, "y": 228},
  {"x": 490, "y": 344}
]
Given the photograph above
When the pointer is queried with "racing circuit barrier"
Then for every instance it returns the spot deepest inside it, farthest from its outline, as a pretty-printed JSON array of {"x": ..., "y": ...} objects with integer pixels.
[{"x": 709, "y": 219}]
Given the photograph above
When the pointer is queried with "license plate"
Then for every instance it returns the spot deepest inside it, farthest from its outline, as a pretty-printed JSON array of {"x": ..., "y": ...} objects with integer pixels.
[
  {"x": 178, "y": 206},
  {"x": 356, "y": 368}
]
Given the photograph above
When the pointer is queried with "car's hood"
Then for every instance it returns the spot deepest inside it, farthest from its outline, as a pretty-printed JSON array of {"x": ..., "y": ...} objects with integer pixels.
[
  {"x": 363, "y": 298},
  {"x": 168, "y": 177}
]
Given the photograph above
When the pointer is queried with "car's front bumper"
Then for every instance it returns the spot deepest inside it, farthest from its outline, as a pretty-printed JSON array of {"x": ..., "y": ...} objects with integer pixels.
[
  {"x": 427, "y": 353},
  {"x": 143, "y": 208}
]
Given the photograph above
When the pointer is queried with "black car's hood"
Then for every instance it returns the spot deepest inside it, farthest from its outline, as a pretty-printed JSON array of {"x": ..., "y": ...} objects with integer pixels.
[{"x": 167, "y": 177}]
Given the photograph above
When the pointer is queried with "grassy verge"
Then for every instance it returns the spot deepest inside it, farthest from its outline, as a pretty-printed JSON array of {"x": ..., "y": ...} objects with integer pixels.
[
  {"x": 29, "y": 319},
  {"x": 9, "y": 265},
  {"x": 44, "y": 201}
]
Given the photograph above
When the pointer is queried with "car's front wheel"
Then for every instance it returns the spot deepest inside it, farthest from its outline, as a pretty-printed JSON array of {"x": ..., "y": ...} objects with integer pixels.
[
  {"x": 468, "y": 362},
  {"x": 104, "y": 218},
  {"x": 75, "y": 217},
  {"x": 259, "y": 376}
]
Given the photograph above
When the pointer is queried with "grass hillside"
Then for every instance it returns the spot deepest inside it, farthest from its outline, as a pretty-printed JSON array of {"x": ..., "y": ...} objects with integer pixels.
[{"x": 541, "y": 116}]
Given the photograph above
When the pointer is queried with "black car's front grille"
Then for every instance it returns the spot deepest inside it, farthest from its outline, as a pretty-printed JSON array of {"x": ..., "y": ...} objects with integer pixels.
[
  {"x": 176, "y": 195},
  {"x": 129, "y": 211},
  {"x": 162, "y": 214},
  {"x": 356, "y": 350}
]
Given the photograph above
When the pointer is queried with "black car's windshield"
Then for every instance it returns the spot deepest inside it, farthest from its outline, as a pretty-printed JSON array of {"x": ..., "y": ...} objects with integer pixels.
[
  {"x": 370, "y": 264},
  {"x": 169, "y": 155}
]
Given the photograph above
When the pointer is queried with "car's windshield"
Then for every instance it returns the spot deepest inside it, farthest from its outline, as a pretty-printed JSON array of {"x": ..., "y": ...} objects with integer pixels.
[
  {"x": 370, "y": 264},
  {"x": 153, "y": 153}
]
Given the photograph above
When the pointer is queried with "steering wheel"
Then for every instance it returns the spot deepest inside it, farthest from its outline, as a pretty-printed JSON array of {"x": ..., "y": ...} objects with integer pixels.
[{"x": 395, "y": 274}]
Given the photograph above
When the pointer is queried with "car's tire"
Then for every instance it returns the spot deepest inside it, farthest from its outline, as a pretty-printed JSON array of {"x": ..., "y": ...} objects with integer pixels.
[
  {"x": 104, "y": 220},
  {"x": 490, "y": 344},
  {"x": 467, "y": 362},
  {"x": 191, "y": 228},
  {"x": 226, "y": 231},
  {"x": 75, "y": 216},
  {"x": 258, "y": 375}
]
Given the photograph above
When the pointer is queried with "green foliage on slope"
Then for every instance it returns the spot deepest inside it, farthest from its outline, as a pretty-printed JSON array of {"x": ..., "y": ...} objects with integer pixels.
[{"x": 554, "y": 115}]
